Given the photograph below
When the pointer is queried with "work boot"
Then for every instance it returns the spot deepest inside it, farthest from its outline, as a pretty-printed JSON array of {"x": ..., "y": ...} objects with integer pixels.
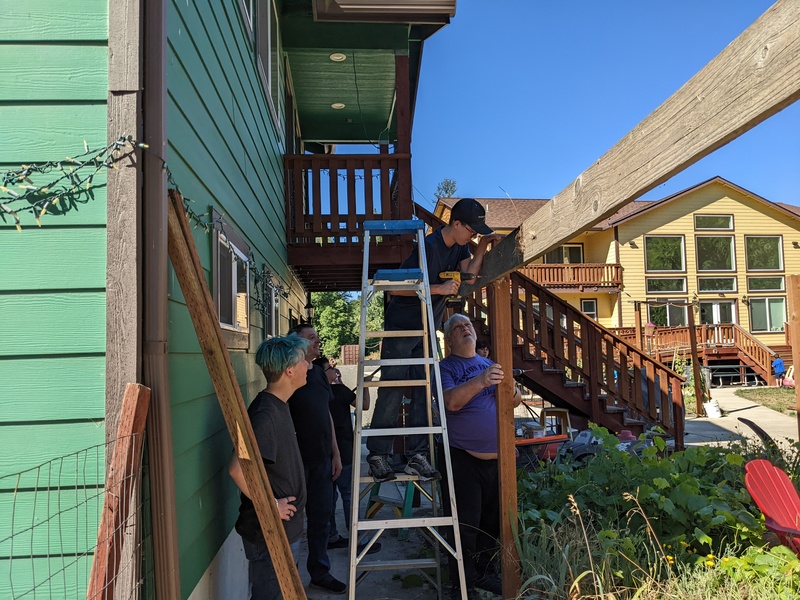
[
  {"x": 419, "y": 465},
  {"x": 380, "y": 468}
]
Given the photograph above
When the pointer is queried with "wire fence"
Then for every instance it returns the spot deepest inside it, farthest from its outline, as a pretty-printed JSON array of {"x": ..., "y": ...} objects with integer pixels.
[{"x": 49, "y": 517}]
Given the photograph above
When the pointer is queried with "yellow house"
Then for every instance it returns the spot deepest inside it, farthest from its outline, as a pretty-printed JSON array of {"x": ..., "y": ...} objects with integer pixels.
[{"x": 717, "y": 247}]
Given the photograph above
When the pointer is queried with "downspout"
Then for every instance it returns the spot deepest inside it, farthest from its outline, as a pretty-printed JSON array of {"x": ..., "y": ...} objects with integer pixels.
[{"x": 155, "y": 318}]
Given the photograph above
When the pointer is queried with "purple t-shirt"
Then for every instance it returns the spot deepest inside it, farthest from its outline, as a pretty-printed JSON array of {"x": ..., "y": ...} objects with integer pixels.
[{"x": 474, "y": 427}]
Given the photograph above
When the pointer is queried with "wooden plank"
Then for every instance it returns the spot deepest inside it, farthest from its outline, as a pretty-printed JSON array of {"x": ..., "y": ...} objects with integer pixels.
[
  {"x": 754, "y": 77},
  {"x": 52, "y": 20},
  {"x": 63, "y": 387},
  {"x": 54, "y": 72},
  {"x": 190, "y": 274},
  {"x": 500, "y": 326},
  {"x": 123, "y": 474},
  {"x": 52, "y": 323},
  {"x": 793, "y": 291}
]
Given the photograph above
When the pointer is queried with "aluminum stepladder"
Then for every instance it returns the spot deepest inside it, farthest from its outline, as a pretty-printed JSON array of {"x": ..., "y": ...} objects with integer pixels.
[{"x": 415, "y": 280}]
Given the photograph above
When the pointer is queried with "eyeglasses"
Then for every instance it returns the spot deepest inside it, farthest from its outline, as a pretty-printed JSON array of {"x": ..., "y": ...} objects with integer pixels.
[{"x": 472, "y": 232}]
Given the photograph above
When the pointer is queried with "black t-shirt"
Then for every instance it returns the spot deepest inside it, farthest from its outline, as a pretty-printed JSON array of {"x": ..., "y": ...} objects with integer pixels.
[
  {"x": 342, "y": 421},
  {"x": 312, "y": 418},
  {"x": 277, "y": 443},
  {"x": 404, "y": 312}
]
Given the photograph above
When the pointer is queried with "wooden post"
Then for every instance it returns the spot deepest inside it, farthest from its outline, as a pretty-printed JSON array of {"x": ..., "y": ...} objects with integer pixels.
[
  {"x": 793, "y": 289},
  {"x": 637, "y": 307},
  {"x": 123, "y": 472},
  {"x": 698, "y": 389},
  {"x": 190, "y": 274},
  {"x": 500, "y": 324}
]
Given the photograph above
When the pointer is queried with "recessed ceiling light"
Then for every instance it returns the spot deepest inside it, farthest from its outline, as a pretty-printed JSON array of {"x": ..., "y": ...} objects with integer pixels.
[
  {"x": 338, "y": 105},
  {"x": 338, "y": 57}
]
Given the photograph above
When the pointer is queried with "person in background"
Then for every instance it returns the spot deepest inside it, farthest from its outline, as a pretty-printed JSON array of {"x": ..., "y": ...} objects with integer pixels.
[
  {"x": 469, "y": 383},
  {"x": 779, "y": 368},
  {"x": 282, "y": 360},
  {"x": 482, "y": 349}
]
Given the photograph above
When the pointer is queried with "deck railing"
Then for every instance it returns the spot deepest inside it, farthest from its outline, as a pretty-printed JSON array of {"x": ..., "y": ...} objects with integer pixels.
[
  {"x": 329, "y": 196},
  {"x": 574, "y": 275}
]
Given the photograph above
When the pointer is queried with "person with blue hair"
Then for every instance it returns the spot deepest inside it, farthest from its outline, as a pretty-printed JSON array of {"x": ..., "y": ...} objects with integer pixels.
[{"x": 283, "y": 362}]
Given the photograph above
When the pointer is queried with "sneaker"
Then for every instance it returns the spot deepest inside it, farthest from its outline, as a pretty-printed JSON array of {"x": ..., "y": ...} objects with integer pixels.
[
  {"x": 419, "y": 465},
  {"x": 340, "y": 542},
  {"x": 491, "y": 583},
  {"x": 380, "y": 468},
  {"x": 376, "y": 547},
  {"x": 330, "y": 584}
]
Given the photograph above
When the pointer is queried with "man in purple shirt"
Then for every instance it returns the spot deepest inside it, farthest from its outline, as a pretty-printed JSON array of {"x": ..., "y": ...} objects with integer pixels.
[{"x": 470, "y": 383}]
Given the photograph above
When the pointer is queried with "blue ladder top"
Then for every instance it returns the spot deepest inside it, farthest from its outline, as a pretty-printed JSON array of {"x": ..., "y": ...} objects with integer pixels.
[
  {"x": 397, "y": 275},
  {"x": 395, "y": 227}
]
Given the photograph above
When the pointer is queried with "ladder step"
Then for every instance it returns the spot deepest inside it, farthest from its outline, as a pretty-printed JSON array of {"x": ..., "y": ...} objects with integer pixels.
[
  {"x": 411, "y": 563},
  {"x": 396, "y": 362},
  {"x": 412, "y": 226},
  {"x": 397, "y": 275},
  {"x": 400, "y": 431},
  {"x": 373, "y": 524},
  {"x": 396, "y": 383},
  {"x": 396, "y": 333},
  {"x": 381, "y": 286}
]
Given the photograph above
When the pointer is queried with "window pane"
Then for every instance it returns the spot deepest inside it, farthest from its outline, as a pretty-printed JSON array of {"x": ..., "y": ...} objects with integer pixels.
[
  {"x": 666, "y": 284},
  {"x": 763, "y": 253},
  {"x": 715, "y": 253},
  {"x": 773, "y": 284},
  {"x": 664, "y": 253},
  {"x": 716, "y": 284},
  {"x": 589, "y": 307},
  {"x": 225, "y": 284},
  {"x": 777, "y": 313},
  {"x": 676, "y": 315},
  {"x": 713, "y": 222},
  {"x": 241, "y": 295},
  {"x": 658, "y": 315},
  {"x": 554, "y": 257},
  {"x": 574, "y": 254},
  {"x": 758, "y": 314}
]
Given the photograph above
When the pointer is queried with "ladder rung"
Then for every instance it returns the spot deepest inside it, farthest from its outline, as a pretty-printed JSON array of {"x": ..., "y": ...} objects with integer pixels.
[
  {"x": 397, "y": 333},
  {"x": 396, "y": 383},
  {"x": 394, "y": 227},
  {"x": 371, "y": 524},
  {"x": 396, "y": 287},
  {"x": 411, "y": 563},
  {"x": 396, "y": 362},
  {"x": 398, "y": 275},
  {"x": 400, "y": 431}
]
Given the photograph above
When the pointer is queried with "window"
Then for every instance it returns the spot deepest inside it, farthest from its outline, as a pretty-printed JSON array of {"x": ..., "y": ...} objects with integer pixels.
[
  {"x": 713, "y": 222},
  {"x": 268, "y": 57},
  {"x": 668, "y": 315},
  {"x": 763, "y": 252},
  {"x": 272, "y": 310},
  {"x": 566, "y": 254},
  {"x": 716, "y": 284},
  {"x": 664, "y": 253},
  {"x": 248, "y": 8},
  {"x": 666, "y": 285},
  {"x": 765, "y": 284},
  {"x": 589, "y": 307},
  {"x": 231, "y": 277},
  {"x": 767, "y": 314},
  {"x": 714, "y": 253}
]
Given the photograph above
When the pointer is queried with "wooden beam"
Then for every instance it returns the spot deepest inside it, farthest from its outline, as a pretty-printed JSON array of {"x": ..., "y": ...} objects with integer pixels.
[
  {"x": 753, "y": 78},
  {"x": 123, "y": 473},
  {"x": 190, "y": 274},
  {"x": 698, "y": 387},
  {"x": 793, "y": 288},
  {"x": 500, "y": 325}
]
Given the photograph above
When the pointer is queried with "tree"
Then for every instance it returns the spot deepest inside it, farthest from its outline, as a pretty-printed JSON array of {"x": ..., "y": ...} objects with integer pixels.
[
  {"x": 336, "y": 320},
  {"x": 374, "y": 320},
  {"x": 446, "y": 189}
]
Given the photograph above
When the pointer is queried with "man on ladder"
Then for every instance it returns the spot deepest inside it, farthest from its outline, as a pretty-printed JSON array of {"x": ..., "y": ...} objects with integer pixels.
[{"x": 446, "y": 249}]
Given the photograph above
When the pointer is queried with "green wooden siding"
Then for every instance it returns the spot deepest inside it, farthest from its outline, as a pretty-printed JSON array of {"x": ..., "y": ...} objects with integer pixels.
[
  {"x": 225, "y": 153},
  {"x": 53, "y": 64}
]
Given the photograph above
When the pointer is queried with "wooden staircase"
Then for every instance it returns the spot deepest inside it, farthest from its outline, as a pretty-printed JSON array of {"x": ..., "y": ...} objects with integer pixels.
[{"x": 573, "y": 362}]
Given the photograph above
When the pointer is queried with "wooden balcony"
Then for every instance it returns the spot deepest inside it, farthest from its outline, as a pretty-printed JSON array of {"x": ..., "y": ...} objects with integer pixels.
[
  {"x": 575, "y": 277},
  {"x": 328, "y": 198}
]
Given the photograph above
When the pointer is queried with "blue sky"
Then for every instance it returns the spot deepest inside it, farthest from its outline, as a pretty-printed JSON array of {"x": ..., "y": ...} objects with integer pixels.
[{"x": 526, "y": 94}]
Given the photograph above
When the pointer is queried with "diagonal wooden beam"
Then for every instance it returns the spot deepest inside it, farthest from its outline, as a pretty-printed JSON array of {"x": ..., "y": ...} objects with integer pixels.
[{"x": 756, "y": 76}]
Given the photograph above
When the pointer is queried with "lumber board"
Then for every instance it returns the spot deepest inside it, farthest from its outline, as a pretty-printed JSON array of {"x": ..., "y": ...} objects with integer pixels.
[
  {"x": 753, "y": 78},
  {"x": 186, "y": 265}
]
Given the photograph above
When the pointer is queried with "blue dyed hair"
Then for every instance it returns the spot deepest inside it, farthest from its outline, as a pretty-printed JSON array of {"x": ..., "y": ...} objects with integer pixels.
[{"x": 276, "y": 354}]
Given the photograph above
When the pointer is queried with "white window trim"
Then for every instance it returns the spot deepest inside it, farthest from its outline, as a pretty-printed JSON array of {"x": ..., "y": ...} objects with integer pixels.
[
  {"x": 591, "y": 314},
  {"x": 733, "y": 254},
  {"x": 235, "y": 337},
  {"x": 666, "y": 301},
  {"x": 696, "y": 228},
  {"x": 683, "y": 254},
  {"x": 735, "y": 285},
  {"x": 780, "y": 254},
  {"x": 766, "y": 305},
  {"x": 649, "y": 291},
  {"x": 763, "y": 290}
]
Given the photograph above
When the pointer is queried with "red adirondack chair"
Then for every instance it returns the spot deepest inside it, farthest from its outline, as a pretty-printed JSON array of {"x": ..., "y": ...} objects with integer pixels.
[{"x": 776, "y": 496}]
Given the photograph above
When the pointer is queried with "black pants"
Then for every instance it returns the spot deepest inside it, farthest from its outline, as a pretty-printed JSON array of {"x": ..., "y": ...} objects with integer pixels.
[{"x": 477, "y": 495}]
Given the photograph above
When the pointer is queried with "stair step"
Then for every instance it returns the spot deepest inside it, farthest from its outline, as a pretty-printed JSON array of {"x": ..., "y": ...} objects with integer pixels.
[{"x": 613, "y": 410}]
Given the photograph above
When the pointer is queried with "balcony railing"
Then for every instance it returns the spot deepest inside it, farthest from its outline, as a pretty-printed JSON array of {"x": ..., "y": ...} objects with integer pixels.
[
  {"x": 329, "y": 196},
  {"x": 579, "y": 276}
]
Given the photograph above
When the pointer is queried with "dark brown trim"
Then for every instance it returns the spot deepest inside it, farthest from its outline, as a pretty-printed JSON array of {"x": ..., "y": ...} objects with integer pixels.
[{"x": 155, "y": 366}]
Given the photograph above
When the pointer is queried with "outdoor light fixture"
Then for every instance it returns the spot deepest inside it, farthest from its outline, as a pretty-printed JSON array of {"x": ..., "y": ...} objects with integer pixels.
[
  {"x": 745, "y": 301},
  {"x": 309, "y": 310},
  {"x": 338, "y": 57},
  {"x": 632, "y": 244},
  {"x": 338, "y": 105},
  {"x": 795, "y": 244}
]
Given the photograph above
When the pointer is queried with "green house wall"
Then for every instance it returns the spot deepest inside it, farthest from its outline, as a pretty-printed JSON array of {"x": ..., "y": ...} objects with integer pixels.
[
  {"x": 54, "y": 69},
  {"x": 225, "y": 154}
]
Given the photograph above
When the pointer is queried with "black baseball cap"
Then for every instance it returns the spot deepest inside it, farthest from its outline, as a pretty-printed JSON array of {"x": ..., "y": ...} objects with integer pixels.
[{"x": 470, "y": 212}]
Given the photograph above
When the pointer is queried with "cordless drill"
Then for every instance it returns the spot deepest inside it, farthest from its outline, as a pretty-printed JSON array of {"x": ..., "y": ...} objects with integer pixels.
[{"x": 458, "y": 276}]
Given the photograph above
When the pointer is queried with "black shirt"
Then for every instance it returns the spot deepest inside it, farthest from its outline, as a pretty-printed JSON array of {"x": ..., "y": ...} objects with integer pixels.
[
  {"x": 342, "y": 420},
  {"x": 312, "y": 418}
]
